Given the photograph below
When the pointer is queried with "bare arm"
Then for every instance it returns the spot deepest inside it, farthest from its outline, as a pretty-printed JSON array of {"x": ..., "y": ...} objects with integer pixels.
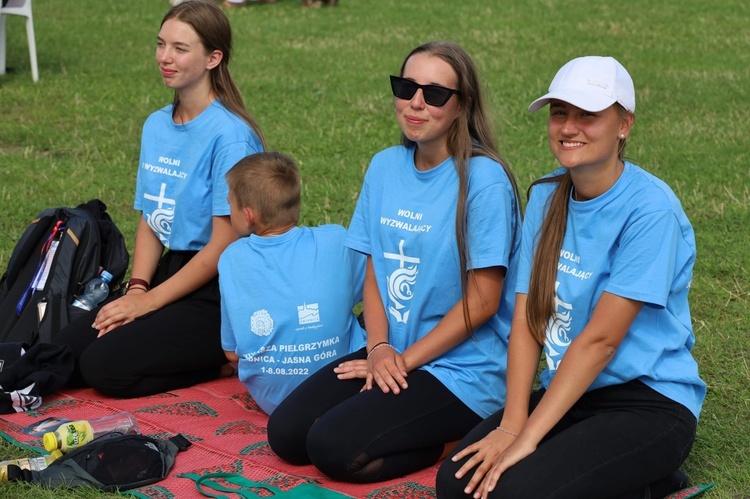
[
  {"x": 586, "y": 357},
  {"x": 483, "y": 298},
  {"x": 388, "y": 368},
  {"x": 197, "y": 272},
  {"x": 385, "y": 367},
  {"x": 148, "y": 251},
  {"x": 373, "y": 309},
  {"x": 200, "y": 269},
  {"x": 524, "y": 354},
  {"x": 376, "y": 323}
]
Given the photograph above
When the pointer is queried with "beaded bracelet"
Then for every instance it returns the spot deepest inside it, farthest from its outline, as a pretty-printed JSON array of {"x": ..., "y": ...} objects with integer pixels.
[
  {"x": 379, "y": 345},
  {"x": 507, "y": 431}
]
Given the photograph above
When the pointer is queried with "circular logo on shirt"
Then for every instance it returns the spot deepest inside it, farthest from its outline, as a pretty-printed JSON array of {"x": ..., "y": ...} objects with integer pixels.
[{"x": 261, "y": 323}]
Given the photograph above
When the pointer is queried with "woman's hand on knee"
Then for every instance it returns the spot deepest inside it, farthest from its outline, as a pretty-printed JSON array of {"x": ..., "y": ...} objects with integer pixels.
[
  {"x": 513, "y": 454},
  {"x": 352, "y": 369},
  {"x": 486, "y": 453},
  {"x": 387, "y": 369},
  {"x": 121, "y": 311}
]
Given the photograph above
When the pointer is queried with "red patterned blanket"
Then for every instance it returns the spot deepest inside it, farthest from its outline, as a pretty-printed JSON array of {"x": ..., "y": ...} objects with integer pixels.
[{"x": 228, "y": 433}]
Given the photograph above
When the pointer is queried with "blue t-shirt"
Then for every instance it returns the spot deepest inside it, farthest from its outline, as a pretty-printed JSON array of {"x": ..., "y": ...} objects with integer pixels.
[
  {"x": 405, "y": 219},
  {"x": 286, "y": 307},
  {"x": 180, "y": 184},
  {"x": 633, "y": 241}
]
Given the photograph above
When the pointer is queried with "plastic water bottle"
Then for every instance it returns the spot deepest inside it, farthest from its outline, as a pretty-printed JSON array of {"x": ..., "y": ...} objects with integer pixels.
[
  {"x": 95, "y": 292},
  {"x": 74, "y": 434},
  {"x": 37, "y": 463}
]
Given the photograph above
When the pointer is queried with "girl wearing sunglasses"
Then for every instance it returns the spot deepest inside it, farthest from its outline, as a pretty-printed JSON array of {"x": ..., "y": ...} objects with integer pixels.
[
  {"x": 438, "y": 219},
  {"x": 603, "y": 281}
]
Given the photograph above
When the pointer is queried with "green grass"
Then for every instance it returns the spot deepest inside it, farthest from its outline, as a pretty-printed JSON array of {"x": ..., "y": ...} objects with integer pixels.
[{"x": 316, "y": 80}]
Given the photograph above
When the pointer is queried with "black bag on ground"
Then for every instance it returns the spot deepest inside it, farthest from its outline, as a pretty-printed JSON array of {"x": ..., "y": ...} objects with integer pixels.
[
  {"x": 26, "y": 374},
  {"x": 60, "y": 251},
  {"x": 111, "y": 462}
]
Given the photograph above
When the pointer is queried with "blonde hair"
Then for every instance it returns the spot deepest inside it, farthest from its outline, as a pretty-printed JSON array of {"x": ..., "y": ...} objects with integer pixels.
[
  {"x": 470, "y": 135},
  {"x": 267, "y": 182},
  {"x": 212, "y": 27}
]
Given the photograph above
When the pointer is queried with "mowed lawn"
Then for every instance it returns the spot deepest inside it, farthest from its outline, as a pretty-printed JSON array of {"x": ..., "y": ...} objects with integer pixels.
[{"x": 317, "y": 82}]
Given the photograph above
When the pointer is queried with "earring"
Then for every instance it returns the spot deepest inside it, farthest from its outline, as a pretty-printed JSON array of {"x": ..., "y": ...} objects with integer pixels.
[{"x": 622, "y": 136}]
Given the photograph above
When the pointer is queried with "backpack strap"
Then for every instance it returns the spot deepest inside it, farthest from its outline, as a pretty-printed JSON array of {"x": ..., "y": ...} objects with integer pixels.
[
  {"x": 181, "y": 442},
  {"x": 42, "y": 266},
  {"x": 244, "y": 485}
]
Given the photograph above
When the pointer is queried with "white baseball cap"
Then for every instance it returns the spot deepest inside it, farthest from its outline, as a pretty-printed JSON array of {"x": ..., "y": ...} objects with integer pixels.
[{"x": 592, "y": 83}]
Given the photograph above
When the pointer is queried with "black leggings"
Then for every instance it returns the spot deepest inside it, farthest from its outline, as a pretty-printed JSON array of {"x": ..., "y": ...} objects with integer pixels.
[
  {"x": 622, "y": 441},
  {"x": 174, "y": 347},
  {"x": 367, "y": 436}
]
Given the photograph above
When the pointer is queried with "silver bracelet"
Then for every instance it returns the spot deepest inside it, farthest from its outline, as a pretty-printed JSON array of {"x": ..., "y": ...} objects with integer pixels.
[
  {"x": 507, "y": 431},
  {"x": 379, "y": 345}
]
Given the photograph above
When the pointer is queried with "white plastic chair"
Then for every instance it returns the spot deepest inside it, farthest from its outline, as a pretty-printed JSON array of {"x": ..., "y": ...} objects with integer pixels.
[{"x": 19, "y": 8}]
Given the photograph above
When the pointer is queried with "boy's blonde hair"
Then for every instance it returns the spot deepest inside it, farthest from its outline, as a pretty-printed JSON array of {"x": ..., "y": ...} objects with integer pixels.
[{"x": 267, "y": 182}]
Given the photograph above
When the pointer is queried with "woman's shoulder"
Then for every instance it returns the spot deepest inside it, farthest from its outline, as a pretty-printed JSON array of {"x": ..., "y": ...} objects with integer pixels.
[
  {"x": 485, "y": 171},
  {"x": 216, "y": 112},
  {"x": 160, "y": 116},
  {"x": 389, "y": 154},
  {"x": 649, "y": 191},
  {"x": 390, "y": 158},
  {"x": 544, "y": 185},
  {"x": 228, "y": 126},
  {"x": 484, "y": 166}
]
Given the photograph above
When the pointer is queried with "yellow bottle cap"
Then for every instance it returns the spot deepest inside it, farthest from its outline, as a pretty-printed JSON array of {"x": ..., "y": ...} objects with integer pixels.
[
  {"x": 50, "y": 441},
  {"x": 57, "y": 453}
]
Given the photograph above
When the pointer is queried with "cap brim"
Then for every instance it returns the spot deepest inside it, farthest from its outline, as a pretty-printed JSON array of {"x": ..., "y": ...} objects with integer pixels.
[{"x": 587, "y": 101}]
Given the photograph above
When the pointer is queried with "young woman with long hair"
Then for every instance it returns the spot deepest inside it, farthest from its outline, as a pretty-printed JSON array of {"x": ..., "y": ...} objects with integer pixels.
[
  {"x": 164, "y": 333},
  {"x": 438, "y": 219},
  {"x": 605, "y": 269}
]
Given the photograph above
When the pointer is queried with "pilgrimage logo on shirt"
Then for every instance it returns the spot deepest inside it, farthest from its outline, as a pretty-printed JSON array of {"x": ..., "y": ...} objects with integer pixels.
[
  {"x": 160, "y": 220},
  {"x": 400, "y": 283},
  {"x": 308, "y": 313},
  {"x": 261, "y": 323},
  {"x": 558, "y": 327}
]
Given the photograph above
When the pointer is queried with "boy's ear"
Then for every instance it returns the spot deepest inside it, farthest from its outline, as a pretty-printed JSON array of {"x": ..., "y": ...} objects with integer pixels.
[{"x": 249, "y": 215}]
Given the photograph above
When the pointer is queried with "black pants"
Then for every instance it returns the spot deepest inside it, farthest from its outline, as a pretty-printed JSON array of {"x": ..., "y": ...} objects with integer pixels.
[
  {"x": 623, "y": 441},
  {"x": 174, "y": 347},
  {"x": 367, "y": 436}
]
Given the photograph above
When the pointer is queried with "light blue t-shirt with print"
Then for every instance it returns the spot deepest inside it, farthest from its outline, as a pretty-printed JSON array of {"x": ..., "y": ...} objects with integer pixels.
[
  {"x": 405, "y": 219},
  {"x": 633, "y": 241},
  {"x": 180, "y": 183},
  {"x": 286, "y": 307}
]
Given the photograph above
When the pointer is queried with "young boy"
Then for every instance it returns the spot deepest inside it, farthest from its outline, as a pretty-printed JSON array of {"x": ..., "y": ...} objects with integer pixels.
[{"x": 287, "y": 292}]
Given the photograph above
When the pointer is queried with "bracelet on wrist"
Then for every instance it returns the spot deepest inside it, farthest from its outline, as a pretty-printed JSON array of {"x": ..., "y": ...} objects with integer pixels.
[
  {"x": 136, "y": 286},
  {"x": 507, "y": 431},
  {"x": 134, "y": 281},
  {"x": 379, "y": 345}
]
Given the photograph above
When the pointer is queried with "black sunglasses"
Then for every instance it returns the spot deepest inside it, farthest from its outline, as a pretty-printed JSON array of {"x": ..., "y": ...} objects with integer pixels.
[{"x": 434, "y": 95}]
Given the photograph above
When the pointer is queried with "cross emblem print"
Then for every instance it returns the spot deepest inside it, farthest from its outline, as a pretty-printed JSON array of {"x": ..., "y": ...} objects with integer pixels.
[
  {"x": 400, "y": 256},
  {"x": 160, "y": 198}
]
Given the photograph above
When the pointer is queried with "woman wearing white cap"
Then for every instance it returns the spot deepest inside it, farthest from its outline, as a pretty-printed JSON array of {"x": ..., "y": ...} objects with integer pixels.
[{"x": 605, "y": 269}]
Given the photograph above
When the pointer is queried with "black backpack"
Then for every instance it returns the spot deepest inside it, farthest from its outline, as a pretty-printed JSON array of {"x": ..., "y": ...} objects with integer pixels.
[{"x": 60, "y": 251}]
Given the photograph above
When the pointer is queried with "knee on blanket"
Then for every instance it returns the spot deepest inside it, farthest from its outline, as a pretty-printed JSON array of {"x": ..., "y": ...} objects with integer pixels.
[
  {"x": 332, "y": 457},
  {"x": 361, "y": 469},
  {"x": 103, "y": 374}
]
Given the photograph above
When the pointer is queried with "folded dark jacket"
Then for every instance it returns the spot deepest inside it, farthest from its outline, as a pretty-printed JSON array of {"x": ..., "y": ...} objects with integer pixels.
[{"x": 26, "y": 374}]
